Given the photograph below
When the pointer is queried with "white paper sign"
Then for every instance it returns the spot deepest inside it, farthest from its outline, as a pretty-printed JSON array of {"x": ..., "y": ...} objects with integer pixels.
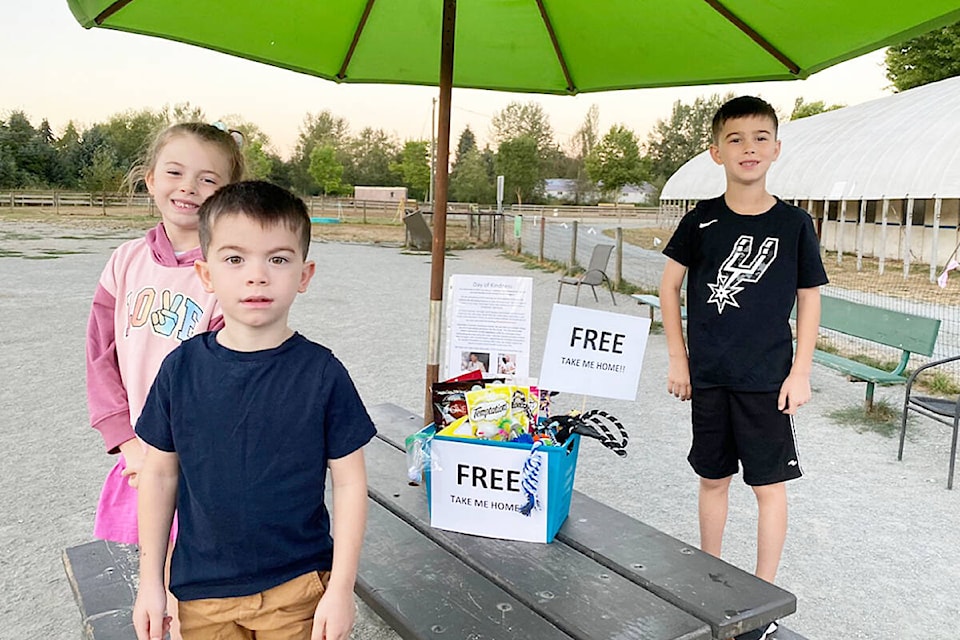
[
  {"x": 594, "y": 353},
  {"x": 477, "y": 491},
  {"x": 488, "y": 325}
]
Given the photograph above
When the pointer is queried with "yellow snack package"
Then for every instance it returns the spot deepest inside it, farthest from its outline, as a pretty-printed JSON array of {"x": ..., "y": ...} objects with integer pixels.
[
  {"x": 489, "y": 412},
  {"x": 459, "y": 428}
]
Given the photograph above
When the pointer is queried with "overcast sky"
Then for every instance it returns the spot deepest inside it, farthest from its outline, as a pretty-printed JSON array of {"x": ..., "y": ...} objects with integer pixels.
[{"x": 52, "y": 68}]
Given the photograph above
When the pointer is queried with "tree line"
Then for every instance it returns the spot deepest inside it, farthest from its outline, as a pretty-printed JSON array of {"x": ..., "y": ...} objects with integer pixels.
[{"x": 330, "y": 159}]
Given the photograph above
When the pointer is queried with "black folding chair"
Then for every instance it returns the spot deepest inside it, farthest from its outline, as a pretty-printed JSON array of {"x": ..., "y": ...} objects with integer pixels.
[{"x": 943, "y": 410}]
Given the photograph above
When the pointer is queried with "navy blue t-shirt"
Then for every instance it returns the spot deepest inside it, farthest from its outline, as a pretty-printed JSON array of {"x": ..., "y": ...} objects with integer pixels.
[
  {"x": 253, "y": 432},
  {"x": 743, "y": 272}
]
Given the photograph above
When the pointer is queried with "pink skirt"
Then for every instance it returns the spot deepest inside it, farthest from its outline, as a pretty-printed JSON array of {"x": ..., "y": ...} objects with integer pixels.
[{"x": 116, "y": 517}]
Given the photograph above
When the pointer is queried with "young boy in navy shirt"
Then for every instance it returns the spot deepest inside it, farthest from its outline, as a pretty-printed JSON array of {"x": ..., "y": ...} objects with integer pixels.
[
  {"x": 242, "y": 425},
  {"x": 748, "y": 257}
]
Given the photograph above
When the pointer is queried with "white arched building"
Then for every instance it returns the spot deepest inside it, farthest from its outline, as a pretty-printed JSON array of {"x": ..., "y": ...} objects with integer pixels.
[{"x": 878, "y": 177}]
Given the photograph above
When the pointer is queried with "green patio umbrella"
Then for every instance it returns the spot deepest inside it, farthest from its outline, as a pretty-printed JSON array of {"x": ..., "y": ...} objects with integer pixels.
[{"x": 540, "y": 46}]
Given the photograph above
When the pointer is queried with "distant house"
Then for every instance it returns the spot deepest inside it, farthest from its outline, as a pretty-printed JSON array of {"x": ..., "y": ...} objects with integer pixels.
[
  {"x": 563, "y": 189},
  {"x": 380, "y": 194},
  {"x": 634, "y": 194}
]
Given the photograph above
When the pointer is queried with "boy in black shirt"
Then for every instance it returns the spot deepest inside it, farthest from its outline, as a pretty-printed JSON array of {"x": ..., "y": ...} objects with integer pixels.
[{"x": 748, "y": 257}]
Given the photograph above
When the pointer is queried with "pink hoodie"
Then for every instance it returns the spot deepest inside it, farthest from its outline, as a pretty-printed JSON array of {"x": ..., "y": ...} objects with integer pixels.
[{"x": 147, "y": 302}]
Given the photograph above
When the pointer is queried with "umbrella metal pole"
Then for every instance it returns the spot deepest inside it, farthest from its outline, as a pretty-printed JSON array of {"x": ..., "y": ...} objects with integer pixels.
[{"x": 440, "y": 204}]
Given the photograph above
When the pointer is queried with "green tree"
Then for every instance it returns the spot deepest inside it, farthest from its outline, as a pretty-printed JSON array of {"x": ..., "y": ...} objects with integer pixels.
[
  {"x": 68, "y": 149},
  {"x": 128, "y": 134},
  {"x": 182, "y": 112},
  {"x": 519, "y": 119},
  {"x": 557, "y": 164},
  {"x": 803, "y": 109},
  {"x": 256, "y": 160},
  {"x": 519, "y": 163},
  {"x": 318, "y": 129},
  {"x": 681, "y": 137},
  {"x": 45, "y": 133},
  {"x": 30, "y": 160},
  {"x": 255, "y": 146},
  {"x": 467, "y": 143},
  {"x": 369, "y": 157},
  {"x": 414, "y": 167},
  {"x": 102, "y": 175},
  {"x": 472, "y": 182},
  {"x": 8, "y": 169},
  {"x": 326, "y": 169},
  {"x": 281, "y": 171},
  {"x": 582, "y": 143},
  {"x": 927, "y": 58},
  {"x": 615, "y": 161}
]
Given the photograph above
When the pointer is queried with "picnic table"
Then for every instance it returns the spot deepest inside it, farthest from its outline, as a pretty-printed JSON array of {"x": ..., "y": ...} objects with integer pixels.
[{"x": 606, "y": 575}]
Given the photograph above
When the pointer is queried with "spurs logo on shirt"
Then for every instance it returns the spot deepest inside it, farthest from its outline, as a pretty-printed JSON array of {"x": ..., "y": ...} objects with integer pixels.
[
  {"x": 739, "y": 269},
  {"x": 173, "y": 315}
]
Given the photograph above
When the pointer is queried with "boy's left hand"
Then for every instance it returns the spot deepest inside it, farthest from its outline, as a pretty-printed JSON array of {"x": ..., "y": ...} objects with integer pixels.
[
  {"x": 335, "y": 616},
  {"x": 794, "y": 393}
]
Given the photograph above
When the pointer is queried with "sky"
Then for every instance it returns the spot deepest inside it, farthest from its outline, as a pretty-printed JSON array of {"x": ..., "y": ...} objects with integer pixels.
[{"x": 50, "y": 67}]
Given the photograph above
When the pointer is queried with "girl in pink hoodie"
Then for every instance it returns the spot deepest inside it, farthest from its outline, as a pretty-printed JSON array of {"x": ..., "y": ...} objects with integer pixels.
[{"x": 148, "y": 300}]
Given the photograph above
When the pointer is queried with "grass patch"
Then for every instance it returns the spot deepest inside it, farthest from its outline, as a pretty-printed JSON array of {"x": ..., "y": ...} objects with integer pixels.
[
  {"x": 883, "y": 418},
  {"x": 529, "y": 262},
  {"x": 627, "y": 288},
  {"x": 939, "y": 383}
]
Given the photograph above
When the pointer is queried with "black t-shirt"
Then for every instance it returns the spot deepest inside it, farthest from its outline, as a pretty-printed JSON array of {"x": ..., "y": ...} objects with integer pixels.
[
  {"x": 253, "y": 432},
  {"x": 742, "y": 281}
]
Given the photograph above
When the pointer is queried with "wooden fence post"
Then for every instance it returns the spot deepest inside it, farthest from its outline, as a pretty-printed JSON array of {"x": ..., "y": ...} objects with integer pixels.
[
  {"x": 543, "y": 224},
  {"x": 618, "y": 264},
  {"x": 573, "y": 245}
]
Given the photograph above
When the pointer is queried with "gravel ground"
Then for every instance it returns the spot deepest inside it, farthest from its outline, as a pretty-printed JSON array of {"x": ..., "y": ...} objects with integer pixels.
[{"x": 871, "y": 552}]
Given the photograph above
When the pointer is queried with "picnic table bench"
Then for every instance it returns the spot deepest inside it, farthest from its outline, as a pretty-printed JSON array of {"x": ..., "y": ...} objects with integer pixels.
[
  {"x": 904, "y": 331},
  {"x": 606, "y": 575}
]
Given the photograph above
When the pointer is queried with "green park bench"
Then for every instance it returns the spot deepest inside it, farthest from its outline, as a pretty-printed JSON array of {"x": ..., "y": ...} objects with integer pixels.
[
  {"x": 652, "y": 301},
  {"x": 904, "y": 331}
]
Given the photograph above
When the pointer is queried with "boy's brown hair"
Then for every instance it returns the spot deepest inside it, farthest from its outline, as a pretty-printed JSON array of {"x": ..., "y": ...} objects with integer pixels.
[
  {"x": 743, "y": 107},
  {"x": 261, "y": 201}
]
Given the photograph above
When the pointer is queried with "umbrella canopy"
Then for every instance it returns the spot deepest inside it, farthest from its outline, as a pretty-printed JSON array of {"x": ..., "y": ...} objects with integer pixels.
[{"x": 542, "y": 46}]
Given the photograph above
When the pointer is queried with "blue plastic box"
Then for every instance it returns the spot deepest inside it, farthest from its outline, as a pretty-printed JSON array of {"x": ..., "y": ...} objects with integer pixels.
[{"x": 475, "y": 486}]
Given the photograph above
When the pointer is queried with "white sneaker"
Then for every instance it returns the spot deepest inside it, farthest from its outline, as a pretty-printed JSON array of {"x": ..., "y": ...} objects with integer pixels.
[{"x": 763, "y": 633}]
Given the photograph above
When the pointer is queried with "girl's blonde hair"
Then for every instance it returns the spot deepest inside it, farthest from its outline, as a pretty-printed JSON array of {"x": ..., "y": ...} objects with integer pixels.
[{"x": 204, "y": 132}]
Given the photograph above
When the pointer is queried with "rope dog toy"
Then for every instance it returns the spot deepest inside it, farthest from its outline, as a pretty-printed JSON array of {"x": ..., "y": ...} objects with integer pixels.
[{"x": 530, "y": 479}]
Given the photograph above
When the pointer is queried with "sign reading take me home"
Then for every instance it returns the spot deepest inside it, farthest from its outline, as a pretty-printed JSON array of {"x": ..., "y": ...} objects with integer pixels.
[{"x": 594, "y": 353}]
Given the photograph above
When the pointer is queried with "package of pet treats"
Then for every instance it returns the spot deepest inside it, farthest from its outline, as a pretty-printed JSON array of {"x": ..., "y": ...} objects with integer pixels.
[{"x": 489, "y": 411}]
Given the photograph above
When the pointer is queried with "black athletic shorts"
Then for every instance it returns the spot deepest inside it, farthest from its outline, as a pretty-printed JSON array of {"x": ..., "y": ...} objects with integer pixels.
[{"x": 731, "y": 426}]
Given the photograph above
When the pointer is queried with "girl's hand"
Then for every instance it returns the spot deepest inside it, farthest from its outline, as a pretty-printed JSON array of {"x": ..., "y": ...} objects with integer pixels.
[{"x": 133, "y": 455}]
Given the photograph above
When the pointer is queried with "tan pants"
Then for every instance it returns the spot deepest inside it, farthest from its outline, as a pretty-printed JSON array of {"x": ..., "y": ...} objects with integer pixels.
[{"x": 284, "y": 612}]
